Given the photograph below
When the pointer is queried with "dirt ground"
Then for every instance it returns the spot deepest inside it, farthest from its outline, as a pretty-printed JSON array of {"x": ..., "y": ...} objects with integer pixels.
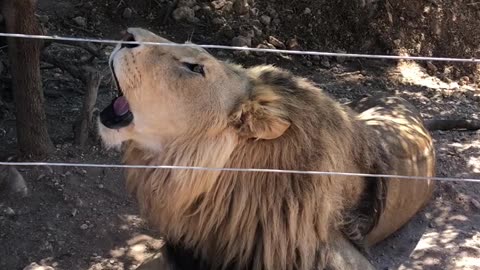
[{"x": 82, "y": 218}]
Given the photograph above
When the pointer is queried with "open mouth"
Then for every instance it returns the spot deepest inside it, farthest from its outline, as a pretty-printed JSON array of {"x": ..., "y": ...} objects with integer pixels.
[{"x": 117, "y": 115}]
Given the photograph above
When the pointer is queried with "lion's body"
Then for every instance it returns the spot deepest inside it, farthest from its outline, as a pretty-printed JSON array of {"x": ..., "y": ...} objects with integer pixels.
[
  {"x": 402, "y": 132},
  {"x": 270, "y": 119}
]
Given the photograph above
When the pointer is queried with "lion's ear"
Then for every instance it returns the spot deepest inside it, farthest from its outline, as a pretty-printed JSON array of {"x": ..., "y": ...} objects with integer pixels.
[{"x": 262, "y": 117}]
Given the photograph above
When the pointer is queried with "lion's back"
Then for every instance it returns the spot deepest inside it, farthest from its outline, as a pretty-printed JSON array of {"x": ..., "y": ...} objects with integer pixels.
[{"x": 410, "y": 152}]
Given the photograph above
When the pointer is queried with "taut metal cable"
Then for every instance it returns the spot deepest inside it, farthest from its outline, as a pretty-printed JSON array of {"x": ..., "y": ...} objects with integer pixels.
[
  {"x": 372, "y": 56},
  {"x": 405, "y": 177},
  {"x": 224, "y": 47}
]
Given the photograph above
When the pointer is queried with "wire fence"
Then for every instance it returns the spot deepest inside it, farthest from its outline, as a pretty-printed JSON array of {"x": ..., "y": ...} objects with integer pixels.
[
  {"x": 264, "y": 50},
  {"x": 172, "y": 167},
  {"x": 225, "y": 47}
]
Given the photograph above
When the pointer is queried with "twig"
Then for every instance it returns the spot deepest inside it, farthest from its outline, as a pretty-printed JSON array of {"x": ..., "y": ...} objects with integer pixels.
[
  {"x": 442, "y": 124},
  {"x": 93, "y": 50},
  {"x": 93, "y": 80},
  {"x": 72, "y": 70}
]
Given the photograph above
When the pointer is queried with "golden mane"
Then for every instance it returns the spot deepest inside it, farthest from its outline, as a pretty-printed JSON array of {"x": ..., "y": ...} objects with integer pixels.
[{"x": 256, "y": 220}]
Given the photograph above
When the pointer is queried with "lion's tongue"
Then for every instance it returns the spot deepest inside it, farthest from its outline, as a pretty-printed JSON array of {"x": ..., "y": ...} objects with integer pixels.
[
  {"x": 121, "y": 106},
  {"x": 117, "y": 115}
]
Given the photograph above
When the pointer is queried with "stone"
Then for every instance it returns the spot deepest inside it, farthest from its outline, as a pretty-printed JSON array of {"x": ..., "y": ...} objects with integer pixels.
[
  {"x": 340, "y": 59},
  {"x": 292, "y": 44},
  {"x": 258, "y": 32},
  {"x": 184, "y": 13},
  {"x": 241, "y": 41},
  {"x": 35, "y": 266},
  {"x": 276, "y": 42},
  {"x": 325, "y": 62},
  {"x": 9, "y": 212},
  {"x": 219, "y": 21},
  {"x": 43, "y": 18},
  {"x": 307, "y": 11},
  {"x": 475, "y": 203},
  {"x": 431, "y": 68},
  {"x": 81, "y": 21},
  {"x": 12, "y": 182},
  {"x": 127, "y": 13},
  {"x": 241, "y": 7},
  {"x": 266, "y": 20},
  {"x": 218, "y": 4},
  {"x": 186, "y": 3},
  {"x": 227, "y": 31}
]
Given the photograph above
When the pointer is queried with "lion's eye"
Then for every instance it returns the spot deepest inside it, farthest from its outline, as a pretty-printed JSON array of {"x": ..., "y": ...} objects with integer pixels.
[{"x": 197, "y": 68}]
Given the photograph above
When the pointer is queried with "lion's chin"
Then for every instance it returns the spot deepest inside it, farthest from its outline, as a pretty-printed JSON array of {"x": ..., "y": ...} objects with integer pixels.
[{"x": 112, "y": 138}]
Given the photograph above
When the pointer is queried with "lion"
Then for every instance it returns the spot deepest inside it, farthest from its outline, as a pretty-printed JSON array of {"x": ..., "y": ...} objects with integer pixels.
[{"x": 181, "y": 106}]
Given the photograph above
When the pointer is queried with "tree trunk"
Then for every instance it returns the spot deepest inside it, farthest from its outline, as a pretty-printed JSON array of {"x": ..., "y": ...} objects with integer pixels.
[{"x": 24, "y": 54}]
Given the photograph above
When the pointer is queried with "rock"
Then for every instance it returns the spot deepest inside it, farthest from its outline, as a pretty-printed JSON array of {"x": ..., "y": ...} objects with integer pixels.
[
  {"x": 12, "y": 182},
  {"x": 9, "y": 212},
  {"x": 270, "y": 46},
  {"x": 127, "y": 13},
  {"x": 184, "y": 13},
  {"x": 276, "y": 21},
  {"x": 266, "y": 20},
  {"x": 241, "y": 41},
  {"x": 186, "y": 3},
  {"x": 79, "y": 202},
  {"x": 227, "y": 31},
  {"x": 307, "y": 11},
  {"x": 219, "y": 21},
  {"x": 261, "y": 46},
  {"x": 35, "y": 266},
  {"x": 431, "y": 68},
  {"x": 272, "y": 12},
  {"x": 475, "y": 203},
  {"x": 218, "y": 4},
  {"x": 254, "y": 12},
  {"x": 81, "y": 21},
  {"x": 308, "y": 63},
  {"x": 241, "y": 7},
  {"x": 292, "y": 44},
  {"x": 228, "y": 7},
  {"x": 84, "y": 226},
  {"x": 246, "y": 32},
  {"x": 276, "y": 42},
  {"x": 74, "y": 212},
  {"x": 325, "y": 62},
  {"x": 43, "y": 18},
  {"x": 340, "y": 59},
  {"x": 257, "y": 31},
  {"x": 465, "y": 79}
]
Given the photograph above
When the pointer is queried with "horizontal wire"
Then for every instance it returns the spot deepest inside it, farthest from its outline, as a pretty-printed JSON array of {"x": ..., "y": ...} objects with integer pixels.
[
  {"x": 373, "y": 56},
  {"x": 109, "y": 41},
  {"x": 54, "y": 164}
]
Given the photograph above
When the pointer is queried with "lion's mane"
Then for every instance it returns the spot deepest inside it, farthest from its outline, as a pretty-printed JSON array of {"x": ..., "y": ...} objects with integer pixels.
[{"x": 257, "y": 220}]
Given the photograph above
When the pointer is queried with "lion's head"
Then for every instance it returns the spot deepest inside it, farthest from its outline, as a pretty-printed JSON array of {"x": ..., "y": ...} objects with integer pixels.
[
  {"x": 170, "y": 92},
  {"x": 182, "y": 106}
]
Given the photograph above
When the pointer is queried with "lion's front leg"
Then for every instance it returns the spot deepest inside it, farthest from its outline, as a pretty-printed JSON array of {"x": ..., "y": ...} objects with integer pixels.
[{"x": 344, "y": 256}]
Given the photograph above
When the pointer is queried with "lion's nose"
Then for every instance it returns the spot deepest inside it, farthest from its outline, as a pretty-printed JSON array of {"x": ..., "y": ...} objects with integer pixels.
[{"x": 128, "y": 37}]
